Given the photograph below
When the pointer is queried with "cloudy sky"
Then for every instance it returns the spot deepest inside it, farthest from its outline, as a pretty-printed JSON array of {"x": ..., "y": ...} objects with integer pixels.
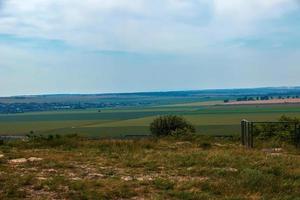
[{"x": 95, "y": 46}]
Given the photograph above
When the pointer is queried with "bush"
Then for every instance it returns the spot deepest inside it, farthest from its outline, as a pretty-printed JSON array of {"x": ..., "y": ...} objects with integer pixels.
[
  {"x": 280, "y": 132},
  {"x": 171, "y": 125},
  {"x": 205, "y": 145}
]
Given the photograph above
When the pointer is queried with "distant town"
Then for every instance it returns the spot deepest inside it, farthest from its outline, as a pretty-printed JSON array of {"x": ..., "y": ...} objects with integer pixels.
[{"x": 40, "y": 103}]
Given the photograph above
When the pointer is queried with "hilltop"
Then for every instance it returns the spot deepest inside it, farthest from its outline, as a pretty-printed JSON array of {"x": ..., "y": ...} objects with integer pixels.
[{"x": 170, "y": 168}]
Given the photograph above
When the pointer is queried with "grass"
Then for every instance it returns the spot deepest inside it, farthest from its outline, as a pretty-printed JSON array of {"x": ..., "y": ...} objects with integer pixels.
[{"x": 169, "y": 168}]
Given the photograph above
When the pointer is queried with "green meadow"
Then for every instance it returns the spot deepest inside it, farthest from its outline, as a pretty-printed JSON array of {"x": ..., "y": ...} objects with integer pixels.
[{"x": 209, "y": 119}]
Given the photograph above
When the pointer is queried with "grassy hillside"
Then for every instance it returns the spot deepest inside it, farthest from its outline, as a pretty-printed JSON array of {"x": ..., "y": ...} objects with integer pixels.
[{"x": 194, "y": 168}]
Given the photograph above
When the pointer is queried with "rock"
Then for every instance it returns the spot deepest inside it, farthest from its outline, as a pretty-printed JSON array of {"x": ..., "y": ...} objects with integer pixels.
[
  {"x": 18, "y": 161},
  {"x": 140, "y": 179},
  {"x": 220, "y": 145},
  {"x": 183, "y": 143},
  {"x": 275, "y": 154},
  {"x": 95, "y": 176},
  {"x": 230, "y": 169},
  {"x": 127, "y": 178},
  {"x": 226, "y": 169},
  {"x": 1, "y": 156},
  {"x": 267, "y": 150},
  {"x": 24, "y": 160},
  {"x": 273, "y": 150},
  {"x": 187, "y": 178},
  {"x": 145, "y": 178},
  {"x": 277, "y": 149},
  {"x": 51, "y": 171},
  {"x": 34, "y": 159},
  {"x": 190, "y": 168},
  {"x": 41, "y": 178}
]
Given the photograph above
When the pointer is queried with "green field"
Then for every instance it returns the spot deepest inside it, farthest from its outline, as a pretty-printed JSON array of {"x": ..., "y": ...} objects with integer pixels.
[{"x": 208, "y": 119}]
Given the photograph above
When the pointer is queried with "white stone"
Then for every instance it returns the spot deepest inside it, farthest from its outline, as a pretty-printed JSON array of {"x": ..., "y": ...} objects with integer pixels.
[
  {"x": 18, "y": 161},
  {"x": 34, "y": 159},
  {"x": 127, "y": 178}
]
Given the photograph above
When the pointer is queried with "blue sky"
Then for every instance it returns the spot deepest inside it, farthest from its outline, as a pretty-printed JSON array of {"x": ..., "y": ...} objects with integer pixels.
[{"x": 99, "y": 46}]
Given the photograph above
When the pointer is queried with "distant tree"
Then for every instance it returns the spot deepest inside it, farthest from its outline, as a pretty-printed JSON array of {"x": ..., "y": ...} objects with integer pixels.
[
  {"x": 265, "y": 98},
  {"x": 226, "y": 101},
  {"x": 170, "y": 125},
  {"x": 242, "y": 99},
  {"x": 250, "y": 99}
]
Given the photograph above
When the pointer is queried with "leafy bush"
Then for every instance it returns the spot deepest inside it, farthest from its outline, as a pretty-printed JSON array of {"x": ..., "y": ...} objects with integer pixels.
[
  {"x": 171, "y": 125},
  {"x": 205, "y": 145},
  {"x": 280, "y": 132}
]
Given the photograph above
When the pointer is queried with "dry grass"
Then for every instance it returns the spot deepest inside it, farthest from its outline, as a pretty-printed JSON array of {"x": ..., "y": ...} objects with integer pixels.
[{"x": 197, "y": 168}]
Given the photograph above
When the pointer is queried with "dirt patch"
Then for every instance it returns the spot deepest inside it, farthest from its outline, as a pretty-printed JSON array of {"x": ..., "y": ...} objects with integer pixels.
[{"x": 262, "y": 102}]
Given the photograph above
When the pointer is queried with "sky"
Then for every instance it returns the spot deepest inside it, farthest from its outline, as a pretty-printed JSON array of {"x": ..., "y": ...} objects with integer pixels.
[{"x": 104, "y": 46}]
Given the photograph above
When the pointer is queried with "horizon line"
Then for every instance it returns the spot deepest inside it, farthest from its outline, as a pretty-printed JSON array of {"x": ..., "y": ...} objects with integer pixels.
[{"x": 154, "y": 91}]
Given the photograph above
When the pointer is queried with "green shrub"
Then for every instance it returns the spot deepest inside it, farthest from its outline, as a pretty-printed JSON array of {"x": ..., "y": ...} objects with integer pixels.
[
  {"x": 163, "y": 184},
  {"x": 278, "y": 132},
  {"x": 171, "y": 125},
  {"x": 205, "y": 145}
]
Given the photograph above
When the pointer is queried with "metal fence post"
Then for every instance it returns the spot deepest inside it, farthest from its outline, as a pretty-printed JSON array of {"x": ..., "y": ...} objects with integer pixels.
[
  {"x": 297, "y": 136},
  {"x": 247, "y": 134},
  {"x": 251, "y": 135},
  {"x": 243, "y": 132}
]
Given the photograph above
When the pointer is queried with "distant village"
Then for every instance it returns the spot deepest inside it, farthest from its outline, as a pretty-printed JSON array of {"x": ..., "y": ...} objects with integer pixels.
[{"x": 11, "y": 108}]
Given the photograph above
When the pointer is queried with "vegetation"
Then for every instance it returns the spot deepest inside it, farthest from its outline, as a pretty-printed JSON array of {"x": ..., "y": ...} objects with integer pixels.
[
  {"x": 281, "y": 132},
  {"x": 171, "y": 125},
  {"x": 207, "y": 119},
  {"x": 165, "y": 168}
]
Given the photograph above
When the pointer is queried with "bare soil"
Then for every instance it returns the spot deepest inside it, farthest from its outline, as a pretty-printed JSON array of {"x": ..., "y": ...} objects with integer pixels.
[{"x": 260, "y": 102}]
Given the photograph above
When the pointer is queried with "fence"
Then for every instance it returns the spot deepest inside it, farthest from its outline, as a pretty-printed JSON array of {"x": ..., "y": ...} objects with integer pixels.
[{"x": 247, "y": 132}]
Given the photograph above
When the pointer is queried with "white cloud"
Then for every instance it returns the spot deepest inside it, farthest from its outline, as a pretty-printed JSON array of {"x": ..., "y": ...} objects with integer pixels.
[
  {"x": 252, "y": 10},
  {"x": 139, "y": 25}
]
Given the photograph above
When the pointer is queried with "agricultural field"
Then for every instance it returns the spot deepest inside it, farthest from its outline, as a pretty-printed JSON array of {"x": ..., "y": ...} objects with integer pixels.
[{"x": 210, "y": 118}]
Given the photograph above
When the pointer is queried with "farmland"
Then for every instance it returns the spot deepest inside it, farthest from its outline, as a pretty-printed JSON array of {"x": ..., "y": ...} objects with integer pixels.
[
  {"x": 208, "y": 119},
  {"x": 109, "y": 115},
  {"x": 67, "y": 165}
]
